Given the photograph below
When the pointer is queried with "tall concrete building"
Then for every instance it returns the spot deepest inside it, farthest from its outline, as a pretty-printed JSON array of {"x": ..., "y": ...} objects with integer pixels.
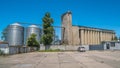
[{"x": 83, "y": 35}]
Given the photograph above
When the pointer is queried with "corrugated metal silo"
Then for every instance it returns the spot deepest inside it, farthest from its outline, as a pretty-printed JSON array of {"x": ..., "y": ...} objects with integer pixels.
[
  {"x": 33, "y": 29},
  {"x": 15, "y": 34}
]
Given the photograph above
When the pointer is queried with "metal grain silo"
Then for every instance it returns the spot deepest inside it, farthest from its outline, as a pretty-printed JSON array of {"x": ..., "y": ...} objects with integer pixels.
[
  {"x": 15, "y": 35},
  {"x": 33, "y": 29}
]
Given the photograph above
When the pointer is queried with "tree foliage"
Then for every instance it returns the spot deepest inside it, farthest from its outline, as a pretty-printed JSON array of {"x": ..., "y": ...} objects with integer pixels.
[
  {"x": 47, "y": 37},
  {"x": 115, "y": 38},
  {"x": 32, "y": 42},
  {"x": 119, "y": 38},
  {"x": 4, "y": 32}
]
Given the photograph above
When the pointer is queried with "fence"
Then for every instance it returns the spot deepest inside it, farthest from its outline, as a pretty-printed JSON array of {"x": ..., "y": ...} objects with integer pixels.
[{"x": 96, "y": 47}]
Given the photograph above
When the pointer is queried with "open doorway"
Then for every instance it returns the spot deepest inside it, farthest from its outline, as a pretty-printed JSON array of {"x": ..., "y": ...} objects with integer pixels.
[{"x": 108, "y": 46}]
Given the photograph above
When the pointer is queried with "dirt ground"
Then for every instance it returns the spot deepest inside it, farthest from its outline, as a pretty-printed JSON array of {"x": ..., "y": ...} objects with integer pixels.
[{"x": 88, "y": 59}]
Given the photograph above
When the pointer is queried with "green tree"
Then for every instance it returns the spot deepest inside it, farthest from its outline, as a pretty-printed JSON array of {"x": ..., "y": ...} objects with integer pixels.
[
  {"x": 115, "y": 38},
  {"x": 119, "y": 38},
  {"x": 47, "y": 36},
  {"x": 32, "y": 42},
  {"x": 4, "y": 32}
]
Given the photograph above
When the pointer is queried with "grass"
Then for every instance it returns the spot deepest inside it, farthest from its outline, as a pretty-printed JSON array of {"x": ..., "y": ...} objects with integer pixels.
[
  {"x": 56, "y": 50},
  {"x": 51, "y": 50}
]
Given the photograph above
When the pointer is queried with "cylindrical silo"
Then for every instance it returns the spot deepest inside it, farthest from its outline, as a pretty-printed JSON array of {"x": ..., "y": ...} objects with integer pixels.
[
  {"x": 15, "y": 35},
  {"x": 33, "y": 29}
]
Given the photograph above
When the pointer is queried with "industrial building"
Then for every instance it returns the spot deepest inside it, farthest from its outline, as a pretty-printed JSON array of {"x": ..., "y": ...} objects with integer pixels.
[
  {"x": 33, "y": 29},
  {"x": 16, "y": 35},
  {"x": 83, "y": 35},
  {"x": 106, "y": 45}
]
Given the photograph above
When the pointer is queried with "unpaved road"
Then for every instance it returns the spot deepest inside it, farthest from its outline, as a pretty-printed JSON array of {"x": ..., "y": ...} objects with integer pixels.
[{"x": 89, "y": 59}]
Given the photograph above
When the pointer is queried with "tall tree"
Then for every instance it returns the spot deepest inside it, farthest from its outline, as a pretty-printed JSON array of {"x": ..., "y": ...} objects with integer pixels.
[
  {"x": 119, "y": 38},
  {"x": 47, "y": 36},
  {"x": 32, "y": 42},
  {"x": 4, "y": 32},
  {"x": 115, "y": 38}
]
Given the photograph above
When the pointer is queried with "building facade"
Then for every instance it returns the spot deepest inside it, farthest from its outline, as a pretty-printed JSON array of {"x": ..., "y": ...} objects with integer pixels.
[{"x": 82, "y": 35}]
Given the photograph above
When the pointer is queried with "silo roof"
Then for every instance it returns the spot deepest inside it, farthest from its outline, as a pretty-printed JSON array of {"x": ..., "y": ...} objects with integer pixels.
[
  {"x": 17, "y": 24},
  {"x": 34, "y": 26}
]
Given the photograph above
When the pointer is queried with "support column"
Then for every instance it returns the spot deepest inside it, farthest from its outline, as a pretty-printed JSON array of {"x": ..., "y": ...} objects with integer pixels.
[
  {"x": 95, "y": 40},
  {"x": 109, "y": 37},
  {"x": 82, "y": 36},
  {"x": 105, "y": 36},
  {"x": 101, "y": 36},
  {"x": 88, "y": 37},
  {"x": 85, "y": 37},
  {"x": 93, "y": 37},
  {"x": 98, "y": 37},
  {"x": 113, "y": 35}
]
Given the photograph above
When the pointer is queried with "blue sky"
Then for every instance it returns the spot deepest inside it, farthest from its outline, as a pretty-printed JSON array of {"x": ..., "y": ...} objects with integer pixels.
[{"x": 93, "y": 13}]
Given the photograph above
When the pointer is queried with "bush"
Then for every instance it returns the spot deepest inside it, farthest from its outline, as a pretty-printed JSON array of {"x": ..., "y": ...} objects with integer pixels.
[{"x": 32, "y": 42}]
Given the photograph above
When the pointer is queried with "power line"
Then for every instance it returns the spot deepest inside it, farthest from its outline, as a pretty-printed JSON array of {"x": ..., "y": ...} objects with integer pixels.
[{"x": 40, "y": 25}]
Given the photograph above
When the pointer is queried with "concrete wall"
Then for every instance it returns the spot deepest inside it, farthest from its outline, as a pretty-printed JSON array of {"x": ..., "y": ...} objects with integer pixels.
[
  {"x": 16, "y": 50},
  {"x": 65, "y": 47},
  {"x": 4, "y": 48}
]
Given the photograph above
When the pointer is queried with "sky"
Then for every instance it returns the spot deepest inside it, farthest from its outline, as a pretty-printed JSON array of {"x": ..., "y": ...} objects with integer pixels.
[{"x": 93, "y": 13}]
